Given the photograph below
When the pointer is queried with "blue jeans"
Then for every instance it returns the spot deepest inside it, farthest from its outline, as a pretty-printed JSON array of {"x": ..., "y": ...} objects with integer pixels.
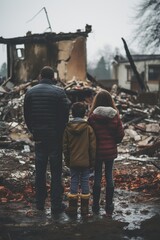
[
  {"x": 47, "y": 151},
  {"x": 79, "y": 176}
]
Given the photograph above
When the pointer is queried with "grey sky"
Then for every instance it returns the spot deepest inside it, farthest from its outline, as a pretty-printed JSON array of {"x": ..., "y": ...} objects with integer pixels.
[{"x": 110, "y": 19}]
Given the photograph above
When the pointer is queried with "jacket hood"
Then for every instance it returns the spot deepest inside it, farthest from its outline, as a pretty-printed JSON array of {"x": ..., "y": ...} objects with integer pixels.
[
  {"x": 107, "y": 112},
  {"x": 77, "y": 127}
]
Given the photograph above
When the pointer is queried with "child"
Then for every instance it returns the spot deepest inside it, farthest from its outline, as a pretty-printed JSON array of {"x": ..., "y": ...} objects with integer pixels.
[
  {"x": 104, "y": 119},
  {"x": 79, "y": 148}
]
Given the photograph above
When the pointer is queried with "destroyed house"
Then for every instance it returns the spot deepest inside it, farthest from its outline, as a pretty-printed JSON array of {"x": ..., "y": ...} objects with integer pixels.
[
  {"x": 148, "y": 66},
  {"x": 66, "y": 52}
]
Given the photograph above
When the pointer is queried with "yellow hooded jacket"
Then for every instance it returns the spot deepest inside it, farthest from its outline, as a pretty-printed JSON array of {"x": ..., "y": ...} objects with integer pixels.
[{"x": 79, "y": 144}]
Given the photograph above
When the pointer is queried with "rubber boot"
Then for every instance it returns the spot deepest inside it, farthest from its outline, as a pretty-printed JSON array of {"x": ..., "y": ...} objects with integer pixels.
[
  {"x": 85, "y": 204},
  {"x": 73, "y": 204},
  {"x": 96, "y": 198},
  {"x": 109, "y": 201}
]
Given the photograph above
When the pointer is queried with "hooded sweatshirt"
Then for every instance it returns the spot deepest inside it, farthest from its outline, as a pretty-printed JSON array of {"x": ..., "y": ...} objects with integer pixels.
[
  {"x": 79, "y": 144},
  {"x": 109, "y": 132}
]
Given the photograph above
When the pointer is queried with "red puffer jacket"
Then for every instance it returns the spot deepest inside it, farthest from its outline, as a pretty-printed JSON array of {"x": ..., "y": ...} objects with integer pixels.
[{"x": 109, "y": 131}]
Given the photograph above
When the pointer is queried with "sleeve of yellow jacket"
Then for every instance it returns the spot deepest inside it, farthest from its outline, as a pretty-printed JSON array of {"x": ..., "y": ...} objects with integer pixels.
[
  {"x": 65, "y": 148},
  {"x": 92, "y": 146}
]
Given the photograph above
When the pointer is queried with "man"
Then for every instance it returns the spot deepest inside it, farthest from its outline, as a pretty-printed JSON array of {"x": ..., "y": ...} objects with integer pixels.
[{"x": 46, "y": 111}]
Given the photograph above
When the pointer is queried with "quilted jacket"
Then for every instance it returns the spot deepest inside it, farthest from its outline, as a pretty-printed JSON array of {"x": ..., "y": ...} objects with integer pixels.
[
  {"x": 46, "y": 110},
  {"x": 108, "y": 130}
]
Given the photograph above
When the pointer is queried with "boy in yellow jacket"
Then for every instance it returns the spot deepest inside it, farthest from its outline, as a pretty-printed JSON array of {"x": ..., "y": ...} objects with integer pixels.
[{"x": 79, "y": 148}]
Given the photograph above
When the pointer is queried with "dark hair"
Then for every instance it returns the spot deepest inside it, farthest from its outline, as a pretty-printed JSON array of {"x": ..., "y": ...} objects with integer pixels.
[
  {"x": 47, "y": 72},
  {"x": 78, "y": 109},
  {"x": 102, "y": 98}
]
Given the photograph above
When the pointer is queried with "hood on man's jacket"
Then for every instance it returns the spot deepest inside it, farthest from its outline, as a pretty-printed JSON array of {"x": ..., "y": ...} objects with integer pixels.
[{"x": 77, "y": 128}]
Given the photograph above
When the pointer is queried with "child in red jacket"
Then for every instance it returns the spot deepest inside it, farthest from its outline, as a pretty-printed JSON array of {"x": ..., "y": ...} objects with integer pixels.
[{"x": 105, "y": 121}]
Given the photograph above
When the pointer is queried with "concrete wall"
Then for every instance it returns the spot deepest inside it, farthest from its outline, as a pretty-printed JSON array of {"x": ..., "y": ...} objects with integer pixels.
[
  {"x": 67, "y": 56},
  {"x": 120, "y": 71}
]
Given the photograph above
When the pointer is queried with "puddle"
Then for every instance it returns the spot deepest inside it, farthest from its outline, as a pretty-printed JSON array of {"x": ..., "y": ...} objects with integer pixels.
[
  {"x": 134, "y": 208},
  {"x": 131, "y": 208}
]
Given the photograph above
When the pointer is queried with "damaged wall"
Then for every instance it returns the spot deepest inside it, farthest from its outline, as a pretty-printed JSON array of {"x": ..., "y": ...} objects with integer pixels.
[
  {"x": 72, "y": 59},
  {"x": 121, "y": 71},
  {"x": 35, "y": 57},
  {"x": 64, "y": 51}
]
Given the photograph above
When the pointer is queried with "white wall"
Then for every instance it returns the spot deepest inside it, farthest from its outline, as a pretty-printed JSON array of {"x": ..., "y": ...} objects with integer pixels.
[{"x": 141, "y": 66}]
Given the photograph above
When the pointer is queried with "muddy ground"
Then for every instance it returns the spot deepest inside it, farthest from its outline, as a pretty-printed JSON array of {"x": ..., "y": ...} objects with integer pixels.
[{"x": 137, "y": 203}]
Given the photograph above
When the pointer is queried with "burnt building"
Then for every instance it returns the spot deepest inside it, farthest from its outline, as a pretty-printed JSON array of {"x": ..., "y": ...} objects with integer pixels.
[{"x": 66, "y": 52}]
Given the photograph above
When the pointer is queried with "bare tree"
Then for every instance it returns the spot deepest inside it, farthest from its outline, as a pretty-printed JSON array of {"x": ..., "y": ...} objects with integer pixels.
[{"x": 147, "y": 31}]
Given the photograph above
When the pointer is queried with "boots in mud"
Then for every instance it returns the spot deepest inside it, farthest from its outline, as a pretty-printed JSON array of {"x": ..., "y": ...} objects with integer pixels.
[
  {"x": 73, "y": 204},
  {"x": 96, "y": 198},
  {"x": 85, "y": 204},
  {"x": 109, "y": 208}
]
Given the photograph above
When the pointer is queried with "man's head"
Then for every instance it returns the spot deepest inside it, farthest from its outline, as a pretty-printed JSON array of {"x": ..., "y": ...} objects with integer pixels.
[
  {"x": 78, "y": 110},
  {"x": 47, "y": 72}
]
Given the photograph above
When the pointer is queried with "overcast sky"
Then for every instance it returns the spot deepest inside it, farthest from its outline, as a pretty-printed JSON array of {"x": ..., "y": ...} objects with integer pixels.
[{"x": 110, "y": 19}]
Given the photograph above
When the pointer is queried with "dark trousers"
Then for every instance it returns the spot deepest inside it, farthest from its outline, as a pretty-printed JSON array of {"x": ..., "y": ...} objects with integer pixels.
[
  {"x": 109, "y": 182},
  {"x": 45, "y": 152},
  {"x": 108, "y": 173}
]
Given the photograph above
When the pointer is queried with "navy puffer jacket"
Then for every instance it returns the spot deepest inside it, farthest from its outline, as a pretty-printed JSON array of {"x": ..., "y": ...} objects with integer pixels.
[{"x": 46, "y": 110}]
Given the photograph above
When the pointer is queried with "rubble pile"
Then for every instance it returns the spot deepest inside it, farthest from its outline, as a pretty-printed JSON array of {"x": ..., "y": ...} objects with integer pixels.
[{"x": 136, "y": 167}]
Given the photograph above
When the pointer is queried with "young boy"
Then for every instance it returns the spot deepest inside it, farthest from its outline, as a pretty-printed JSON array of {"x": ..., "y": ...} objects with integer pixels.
[{"x": 79, "y": 148}]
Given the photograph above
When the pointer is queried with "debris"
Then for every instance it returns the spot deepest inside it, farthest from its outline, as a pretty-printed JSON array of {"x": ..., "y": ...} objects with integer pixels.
[{"x": 136, "y": 168}]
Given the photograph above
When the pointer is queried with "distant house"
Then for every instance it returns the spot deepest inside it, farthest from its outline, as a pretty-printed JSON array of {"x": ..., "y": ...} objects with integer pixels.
[
  {"x": 66, "y": 52},
  {"x": 148, "y": 67}
]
